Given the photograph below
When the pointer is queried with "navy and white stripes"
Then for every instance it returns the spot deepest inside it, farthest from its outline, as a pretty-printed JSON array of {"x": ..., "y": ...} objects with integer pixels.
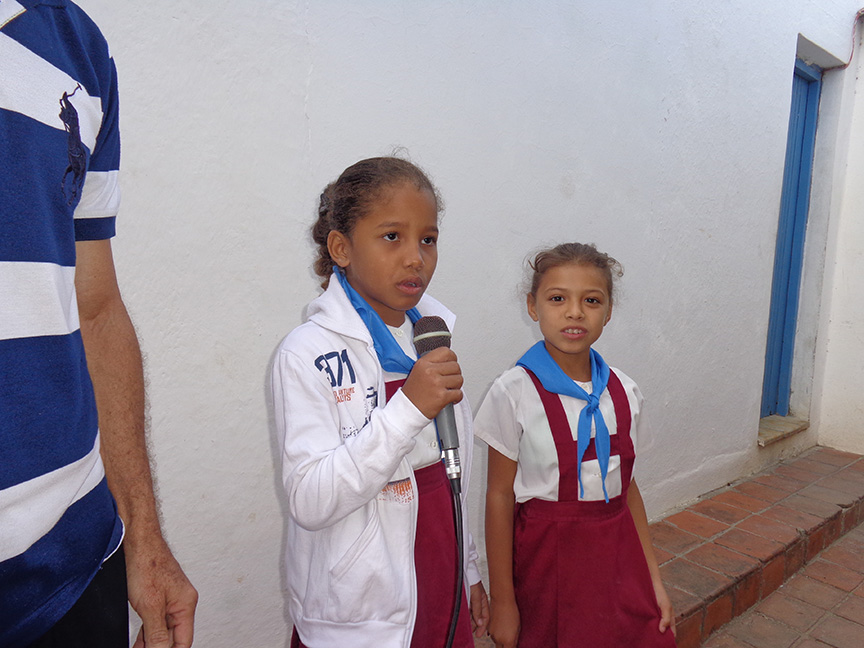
[{"x": 58, "y": 185}]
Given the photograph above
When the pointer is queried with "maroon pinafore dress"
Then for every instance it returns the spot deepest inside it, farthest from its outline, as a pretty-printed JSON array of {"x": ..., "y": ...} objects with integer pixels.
[
  {"x": 434, "y": 561},
  {"x": 579, "y": 571}
]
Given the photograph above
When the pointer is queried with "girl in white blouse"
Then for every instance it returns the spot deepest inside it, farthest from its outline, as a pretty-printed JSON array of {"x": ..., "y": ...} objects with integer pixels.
[{"x": 570, "y": 557}]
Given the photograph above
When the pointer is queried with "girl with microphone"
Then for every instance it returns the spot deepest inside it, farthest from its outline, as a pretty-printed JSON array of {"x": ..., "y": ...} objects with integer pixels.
[
  {"x": 370, "y": 546},
  {"x": 571, "y": 562}
]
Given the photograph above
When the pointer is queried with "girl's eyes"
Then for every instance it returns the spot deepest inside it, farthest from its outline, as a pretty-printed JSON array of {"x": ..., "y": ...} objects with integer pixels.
[
  {"x": 426, "y": 240},
  {"x": 589, "y": 300}
]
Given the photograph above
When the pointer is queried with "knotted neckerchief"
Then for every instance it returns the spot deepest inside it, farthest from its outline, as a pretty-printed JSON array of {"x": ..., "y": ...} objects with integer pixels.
[
  {"x": 390, "y": 354},
  {"x": 553, "y": 378}
]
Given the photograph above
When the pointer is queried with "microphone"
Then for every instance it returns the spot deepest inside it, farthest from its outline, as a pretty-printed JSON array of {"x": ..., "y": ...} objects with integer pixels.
[{"x": 430, "y": 333}]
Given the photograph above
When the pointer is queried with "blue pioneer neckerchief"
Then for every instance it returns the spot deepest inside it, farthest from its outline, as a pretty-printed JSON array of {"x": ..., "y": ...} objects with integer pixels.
[
  {"x": 553, "y": 379},
  {"x": 390, "y": 354}
]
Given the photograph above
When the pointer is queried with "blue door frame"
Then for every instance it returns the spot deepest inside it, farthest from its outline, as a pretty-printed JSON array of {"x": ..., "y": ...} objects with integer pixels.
[{"x": 789, "y": 254}]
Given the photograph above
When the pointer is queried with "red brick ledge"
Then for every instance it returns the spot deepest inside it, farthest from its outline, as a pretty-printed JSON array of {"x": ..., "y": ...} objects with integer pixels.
[{"x": 736, "y": 546}]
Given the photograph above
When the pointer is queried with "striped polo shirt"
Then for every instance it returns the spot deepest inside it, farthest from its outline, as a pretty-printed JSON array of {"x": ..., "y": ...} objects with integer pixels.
[{"x": 59, "y": 161}]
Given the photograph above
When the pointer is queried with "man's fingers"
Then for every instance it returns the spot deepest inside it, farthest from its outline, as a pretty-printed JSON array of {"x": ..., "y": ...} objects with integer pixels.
[
  {"x": 154, "y": 631},
  {"x": 183, "y": 626}
]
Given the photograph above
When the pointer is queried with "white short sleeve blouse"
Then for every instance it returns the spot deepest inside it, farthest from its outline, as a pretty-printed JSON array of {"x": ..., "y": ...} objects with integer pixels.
[{"x": 512, "y": 420}]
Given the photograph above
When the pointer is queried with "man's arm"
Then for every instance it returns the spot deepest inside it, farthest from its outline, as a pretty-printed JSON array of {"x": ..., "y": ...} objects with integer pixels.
[{"x": 158, "y": 589}]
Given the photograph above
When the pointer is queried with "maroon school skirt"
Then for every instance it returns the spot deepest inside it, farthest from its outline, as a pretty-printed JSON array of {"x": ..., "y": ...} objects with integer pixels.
[
  {"x": 581, "y": 578},
  {"x": 435, "y": 566}
]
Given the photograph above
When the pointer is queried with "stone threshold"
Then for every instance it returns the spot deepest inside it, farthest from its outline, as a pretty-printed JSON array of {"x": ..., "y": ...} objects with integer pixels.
[
  {"x": 733, "y": 548},
  {"x": 775, "y": 428}
]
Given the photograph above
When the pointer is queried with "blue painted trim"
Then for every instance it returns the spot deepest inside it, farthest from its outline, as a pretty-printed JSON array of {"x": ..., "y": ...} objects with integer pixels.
[
  {"x": 807, "y": 71},
  {"x": 791, "y": 231}
]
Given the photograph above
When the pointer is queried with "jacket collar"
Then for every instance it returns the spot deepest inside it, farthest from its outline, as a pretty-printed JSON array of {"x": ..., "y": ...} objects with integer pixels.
[{"x": 332, "y": 310}]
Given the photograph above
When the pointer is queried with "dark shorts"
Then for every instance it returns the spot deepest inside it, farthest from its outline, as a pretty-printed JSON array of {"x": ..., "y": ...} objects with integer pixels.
[{"x": 100, "y": 618}]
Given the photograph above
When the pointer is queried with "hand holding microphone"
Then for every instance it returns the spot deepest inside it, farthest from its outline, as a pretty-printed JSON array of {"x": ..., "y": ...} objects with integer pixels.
[{"x": 436, "y": 379}]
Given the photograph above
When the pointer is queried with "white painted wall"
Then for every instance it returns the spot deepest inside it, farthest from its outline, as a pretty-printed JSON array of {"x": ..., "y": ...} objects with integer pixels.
[
  {"x": 840, "y": 352},
  {"x": 655, "y": 129}
]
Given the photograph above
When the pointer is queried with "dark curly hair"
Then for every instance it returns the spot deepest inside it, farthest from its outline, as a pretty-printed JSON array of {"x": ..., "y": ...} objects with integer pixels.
[
  {"x": 572, "y": 253},
  {"x": 351, "y": 196}
]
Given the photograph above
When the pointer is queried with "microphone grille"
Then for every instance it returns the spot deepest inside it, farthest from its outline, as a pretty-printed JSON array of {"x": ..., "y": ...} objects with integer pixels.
[{"x": 430, "y": 332}]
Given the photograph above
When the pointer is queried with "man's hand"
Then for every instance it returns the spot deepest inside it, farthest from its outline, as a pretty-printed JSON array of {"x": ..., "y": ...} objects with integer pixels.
[{"x": 161, "y": 595}]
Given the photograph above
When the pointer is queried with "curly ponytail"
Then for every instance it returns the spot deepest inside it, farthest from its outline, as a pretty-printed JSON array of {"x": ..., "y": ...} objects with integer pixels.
[{"x": 323, "y": 265}]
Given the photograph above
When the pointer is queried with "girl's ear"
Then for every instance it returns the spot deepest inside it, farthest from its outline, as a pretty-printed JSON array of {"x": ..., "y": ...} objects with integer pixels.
[
  {"x": 340, "y": 248},
  {"x": 608, "y": 316},
  {"x": 532, "y": 306}
]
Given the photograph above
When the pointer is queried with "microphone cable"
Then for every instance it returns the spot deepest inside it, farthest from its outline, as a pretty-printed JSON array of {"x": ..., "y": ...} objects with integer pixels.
[{"x": 456, "y": 489}]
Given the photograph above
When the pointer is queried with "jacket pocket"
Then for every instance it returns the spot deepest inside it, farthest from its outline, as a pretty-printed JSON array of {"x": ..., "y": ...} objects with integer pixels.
[
  {"x": 347, "y": 561},
  {"x": 365, "y": 581}
]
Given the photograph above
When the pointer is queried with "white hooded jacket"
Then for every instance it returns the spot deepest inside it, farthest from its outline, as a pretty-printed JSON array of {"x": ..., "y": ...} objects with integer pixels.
[{"x": 351, "y": 491}]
